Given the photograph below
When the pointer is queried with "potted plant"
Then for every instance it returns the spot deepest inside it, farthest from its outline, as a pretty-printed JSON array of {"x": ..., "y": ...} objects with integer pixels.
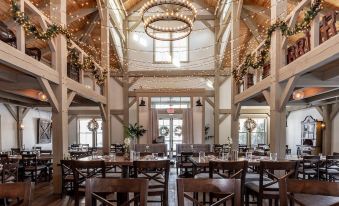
[{"x": 135, "y": 131}]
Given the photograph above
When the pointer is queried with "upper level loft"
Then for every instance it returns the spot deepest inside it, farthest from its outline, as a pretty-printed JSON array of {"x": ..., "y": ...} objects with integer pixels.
[
  {"x": 308, "y": 62},
  {"x": 29, "y": 51}
]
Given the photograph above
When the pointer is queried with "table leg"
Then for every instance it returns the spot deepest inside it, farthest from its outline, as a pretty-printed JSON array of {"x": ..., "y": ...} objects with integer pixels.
[{"x": 123, "y": 197}]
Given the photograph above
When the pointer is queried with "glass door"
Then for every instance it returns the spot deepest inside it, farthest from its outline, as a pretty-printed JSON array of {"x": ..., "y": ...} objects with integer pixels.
[{"x": 171, "y": 128}]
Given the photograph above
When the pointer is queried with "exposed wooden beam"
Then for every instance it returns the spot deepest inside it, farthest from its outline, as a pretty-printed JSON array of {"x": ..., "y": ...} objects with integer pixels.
[
  {"x": 240, "y": 4},
  {"x": 46, "y": 87},
  {"x": 18, "y": 98},
  {"x": 173, "y": 73},
  {"x": 223, "y": 117},
  {"x": 80, "y": 14},
  {"x": 251, "y": 25},
  {"x": 119, "y": 119},
  {"x": 288, "y": 91},
  {"x": 201, "y": 17},
  {"x": 11, "y": 111},
  {"x": 17, "y": 60},
  {"x": 312, "y": 80},
  {"x": 209, "y": 101},
  {"x": 134, "y": 80},
  {"x": 70, "y": 97},
  {"x": 136, "y": 7},
  {"x": 102, "y": 112},
  {"x": 267, "y": 96},
  {"x": 25, "y": 112},
  {"x": 323, "y": 96},
  {"x": 117, "y": 80},
  {"x": 237, "y": 112},
  {"x": 262, "y": 11},
  {"x": 90, "y": 28},
  {"x": 132, "y": 102},
  {"x": 319, "y": 57},
  {"x": 87, "y": 93},
  {"x": 334, "y": 112}
]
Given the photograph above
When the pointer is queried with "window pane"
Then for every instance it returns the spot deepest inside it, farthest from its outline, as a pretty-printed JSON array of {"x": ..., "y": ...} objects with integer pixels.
[
  {"x": 85, "y": 135},
  {"x": 242, "y": 138},
  {"x": 180, "y": 48},
  {"x": 162, "y": 50}
]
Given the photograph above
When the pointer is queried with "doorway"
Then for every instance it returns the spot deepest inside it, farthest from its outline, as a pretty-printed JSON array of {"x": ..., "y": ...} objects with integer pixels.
[{"x": 170, "y": 126}]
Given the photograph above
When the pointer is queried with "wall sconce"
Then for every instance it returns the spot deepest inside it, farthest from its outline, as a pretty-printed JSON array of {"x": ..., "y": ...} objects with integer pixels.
[
  {"x": 198, "y": 103},
  {"x": 42, "y": 96},
  {"x": 22, "y": 126},
  {"x": 298, "y": 94},
  {"x": 323, "y": 125},
  {"x": 142, "y": 103}
]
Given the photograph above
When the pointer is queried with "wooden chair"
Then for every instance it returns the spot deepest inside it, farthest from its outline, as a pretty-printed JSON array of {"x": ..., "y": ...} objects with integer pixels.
[
  {"x": 229, "y": 170},
  {"x": 67, "y": 177},
  {"x": 9, "y": 173},
  {"x": 157, "y": 172},
  {"x": 83, "y": 170},
  {"x": 4, "y": 159},
  {"x": 16, "y": 151},
  {"x": 184, "y": 165},
  {"x": 96, "y": 187},
  {"x": 335, "y": 153},
  {"x": 308, "y": 192},
  {"x": 230, "y": 187},
  {"x": 269, "y": 189},
  {"x": 19, "y": 192},
  {"x": 331, "y": 169},
  {"x": 310, "y": 167},
  {"x": 32, "y": 168}
]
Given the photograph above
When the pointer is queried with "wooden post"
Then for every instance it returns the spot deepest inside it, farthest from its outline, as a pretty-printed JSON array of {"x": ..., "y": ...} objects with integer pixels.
[
  {"x": 277, "y": 111},
  {"x": 105, "y": 55},
  {"x": 235, "y": 29},
  {"x": 125, "y": 78},
  {"x": 60, "y": 116},
  {"x": 216, "y": 106},
  {"x": 18, "y": 126},
  {"x": 20, "y": 33},
  {"x": 327, "y": 134}
]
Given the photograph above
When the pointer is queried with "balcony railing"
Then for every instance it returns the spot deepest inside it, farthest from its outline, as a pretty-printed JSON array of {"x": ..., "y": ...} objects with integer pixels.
[{"x": 325, "y": 28}]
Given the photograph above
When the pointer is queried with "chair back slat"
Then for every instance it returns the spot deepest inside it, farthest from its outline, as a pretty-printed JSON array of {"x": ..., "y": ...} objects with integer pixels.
[
  {"x": 230, "y": 187},
  {"x": 9, "y": 172},
  {"x": 97, "y": 186},
  {"x": 290, "y": 187},
  {"x": 20, "y": 192},
  {"x": 270, "y": 168}
]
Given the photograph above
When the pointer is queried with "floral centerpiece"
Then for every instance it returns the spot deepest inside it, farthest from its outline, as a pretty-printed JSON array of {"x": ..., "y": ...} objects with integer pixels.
[
  {"x": 229, "y": 142},
  {"x": 127, "y": 145}
]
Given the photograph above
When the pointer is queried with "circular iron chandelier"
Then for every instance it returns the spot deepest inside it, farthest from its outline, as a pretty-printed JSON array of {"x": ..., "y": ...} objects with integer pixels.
[{"x": 152, "y": 23}]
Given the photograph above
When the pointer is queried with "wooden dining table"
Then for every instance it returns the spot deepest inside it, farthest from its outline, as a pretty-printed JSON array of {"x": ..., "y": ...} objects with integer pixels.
[{"x": 39, "y": 157}]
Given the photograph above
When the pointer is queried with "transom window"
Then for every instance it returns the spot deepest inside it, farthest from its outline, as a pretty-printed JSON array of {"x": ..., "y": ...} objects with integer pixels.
[
  {"x": 170, "y": 51},
  {"x": 174, "y": 102}
]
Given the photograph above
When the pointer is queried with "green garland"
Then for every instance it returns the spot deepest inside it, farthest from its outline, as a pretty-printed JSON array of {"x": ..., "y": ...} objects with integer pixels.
[
  {"x": 51, "y": 32},
  {"x": 259, "y": 61}
]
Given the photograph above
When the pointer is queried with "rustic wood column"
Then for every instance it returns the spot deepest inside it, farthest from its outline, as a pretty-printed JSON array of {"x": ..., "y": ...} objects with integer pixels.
[
  {"x": 216, "y": 106},
  {"x": 235, "y": 29},
  {"x": 327, "y": 134},
  {"x": 60, "y": 111},
  {"x": 278, "y": 112},
  {"x": 125, "y": 78},
  {"x": 105, "y": 56}
]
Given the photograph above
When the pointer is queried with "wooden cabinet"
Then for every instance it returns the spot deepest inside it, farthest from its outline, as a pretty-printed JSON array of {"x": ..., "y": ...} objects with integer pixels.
[{"x": 311, "y": 135}]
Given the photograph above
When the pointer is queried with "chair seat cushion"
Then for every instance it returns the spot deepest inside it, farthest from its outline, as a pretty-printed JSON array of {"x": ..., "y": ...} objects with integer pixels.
[
  {"x": 250, "y": 177},
  {"x": 205, "y": 175},
  {"x": 307, "y": 171},
  {"x": 254, "y": 186},
  {"x": 316, "y": 200}
]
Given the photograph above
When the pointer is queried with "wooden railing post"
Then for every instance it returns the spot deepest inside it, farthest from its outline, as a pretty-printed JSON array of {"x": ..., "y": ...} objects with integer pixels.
[{"x": 20, "y": 33}]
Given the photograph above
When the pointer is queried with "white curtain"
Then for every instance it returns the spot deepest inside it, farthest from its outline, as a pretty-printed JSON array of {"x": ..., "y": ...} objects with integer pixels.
[
  {"x": 153, "y": 129},
  {"x": 187, "y": 126}
]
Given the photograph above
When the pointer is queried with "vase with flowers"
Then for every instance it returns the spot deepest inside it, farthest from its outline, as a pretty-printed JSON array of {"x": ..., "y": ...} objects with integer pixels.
[{"x": 127, "y": 145}]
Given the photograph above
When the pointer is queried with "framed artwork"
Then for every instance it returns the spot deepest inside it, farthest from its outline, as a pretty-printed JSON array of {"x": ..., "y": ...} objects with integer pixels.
[{"x": 44, "y": 131}]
